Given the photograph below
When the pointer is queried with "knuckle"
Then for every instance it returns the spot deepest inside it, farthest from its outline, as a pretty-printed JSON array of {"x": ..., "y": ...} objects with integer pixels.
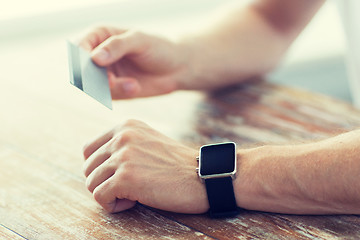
[
  {"x": 126, "y": 176},
  {"x": 94, "y": 28},
  {"x": 115, "y": 41},
  {"x": 88, "y": 185},
  {"x": 100, "y": 27},
  {"x": 85, "y": 170},
  {"x": 86, "y": 150},
  {"x": 141, "y": 40},
  {"x": 122, "y": 139},
  {"x": 136, "y": 34},
  {"x": 110, "y": 166},
  {"x": 131, "y": 122},
  {"x": 127, "y": 134},
  {"x": 127, "y": 154},
  {"x": 98, "y": 195},
  {"x": 120, "y": 158}
]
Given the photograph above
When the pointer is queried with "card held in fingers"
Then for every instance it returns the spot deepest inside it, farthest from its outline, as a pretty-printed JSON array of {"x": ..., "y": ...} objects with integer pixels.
[{"x": 87, "y": 76}]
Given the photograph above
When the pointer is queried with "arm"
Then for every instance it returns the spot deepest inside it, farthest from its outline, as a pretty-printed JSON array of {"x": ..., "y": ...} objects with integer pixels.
[
  {"x": 313, "y": 178},
  {"x": 247, "y": 42},
  {"x": 134, "y": 163}
]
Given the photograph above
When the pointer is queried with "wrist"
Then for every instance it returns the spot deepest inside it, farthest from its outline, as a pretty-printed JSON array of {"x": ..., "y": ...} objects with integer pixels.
[
  {"x": 201, "y": 65},
  {"x": 217, "y": 169},
  {"x": 189, "y": 76},
  {"x": 211, "y": 66},
  {"x": 266, "y": 179},
  {"x": 248, "y": 184}
]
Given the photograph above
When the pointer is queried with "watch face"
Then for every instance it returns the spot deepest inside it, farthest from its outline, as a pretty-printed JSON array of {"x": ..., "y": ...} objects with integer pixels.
[{"x": 217, "y": 159}]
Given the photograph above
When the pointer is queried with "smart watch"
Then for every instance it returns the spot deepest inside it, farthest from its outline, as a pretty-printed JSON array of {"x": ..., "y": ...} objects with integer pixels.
[{"x": 217, "y": 169}]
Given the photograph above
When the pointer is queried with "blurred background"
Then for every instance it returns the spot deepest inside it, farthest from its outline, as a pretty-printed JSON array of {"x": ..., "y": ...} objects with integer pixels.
[{"x": 315, "y": 61}]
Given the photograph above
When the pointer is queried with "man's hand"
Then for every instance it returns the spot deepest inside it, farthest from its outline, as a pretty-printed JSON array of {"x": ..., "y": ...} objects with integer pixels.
[
  {"x": 134, "y": 163},
  {"x": 138, "y": 64}
]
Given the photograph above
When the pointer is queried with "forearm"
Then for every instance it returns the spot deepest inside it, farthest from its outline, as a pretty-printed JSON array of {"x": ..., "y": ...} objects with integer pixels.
[
  {"x": 316, "y": 178},
  {"x": 248, "y": 42}
]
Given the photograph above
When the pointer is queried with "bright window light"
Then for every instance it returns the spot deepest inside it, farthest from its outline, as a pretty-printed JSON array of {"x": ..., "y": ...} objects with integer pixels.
[{"x": 24, "y": 8}]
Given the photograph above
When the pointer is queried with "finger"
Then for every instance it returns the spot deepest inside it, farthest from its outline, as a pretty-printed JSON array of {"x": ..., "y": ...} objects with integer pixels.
[
  {"x": 124, "y": 87},
  {"x": 97, "y": 35},
  {"x": 94, "y": 37},
  {"x": 94, "y": 145},
  {"x": 115, "y": 47},
  {"x": 106, "y": 196},
  {"x": 94, "y": 161},
  {"x": 98, "y": 176}
]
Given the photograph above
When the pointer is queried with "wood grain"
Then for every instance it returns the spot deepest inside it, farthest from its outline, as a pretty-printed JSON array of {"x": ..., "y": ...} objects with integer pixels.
[
  {"x": 7, "y": 234},
  {"x": 264, "y": 113}
]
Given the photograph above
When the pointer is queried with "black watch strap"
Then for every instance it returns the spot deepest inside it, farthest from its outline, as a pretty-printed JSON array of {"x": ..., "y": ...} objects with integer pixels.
[{"x": 221, "y": 197}]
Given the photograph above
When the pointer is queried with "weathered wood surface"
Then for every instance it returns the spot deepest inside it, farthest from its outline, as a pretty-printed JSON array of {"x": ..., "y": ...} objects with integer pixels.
[
  {"x": 6, "y": 234},
  {"x": 44, "y": 122}
]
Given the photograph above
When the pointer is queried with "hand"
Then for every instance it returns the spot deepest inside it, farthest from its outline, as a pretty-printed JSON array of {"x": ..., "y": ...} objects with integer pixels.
[
  {"x": 134, "y": 163},
  {"x": 138, "y": 64}
]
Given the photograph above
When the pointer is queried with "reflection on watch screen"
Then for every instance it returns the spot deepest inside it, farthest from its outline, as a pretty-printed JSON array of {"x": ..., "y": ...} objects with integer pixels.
[{"x": 217, "y": 159}]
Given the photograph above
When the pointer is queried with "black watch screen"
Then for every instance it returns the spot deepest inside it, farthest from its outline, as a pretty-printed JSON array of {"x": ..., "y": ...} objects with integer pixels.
[
  {"x": 217, "y": 159},
  {"x": 217, "y": 169}
]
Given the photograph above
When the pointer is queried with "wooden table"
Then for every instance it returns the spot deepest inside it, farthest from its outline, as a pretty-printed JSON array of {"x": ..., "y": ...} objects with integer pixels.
[{"x": 45, "y": 122}]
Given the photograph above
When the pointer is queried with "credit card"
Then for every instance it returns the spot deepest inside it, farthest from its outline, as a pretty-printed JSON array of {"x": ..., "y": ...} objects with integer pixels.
[{"x": 87, "y": 76}]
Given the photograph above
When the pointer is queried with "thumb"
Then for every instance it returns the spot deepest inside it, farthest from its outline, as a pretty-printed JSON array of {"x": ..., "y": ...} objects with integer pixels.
[
  {"x": 116, "y": 47},
  {"x": 122, "y": 205}
]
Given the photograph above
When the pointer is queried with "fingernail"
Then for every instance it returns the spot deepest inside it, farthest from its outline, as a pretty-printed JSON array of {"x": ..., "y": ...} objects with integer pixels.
[
  {"x": 112, "y": 83},
  {"x": 128, "y": 86},
  {"x": 101, "y": 55}
]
